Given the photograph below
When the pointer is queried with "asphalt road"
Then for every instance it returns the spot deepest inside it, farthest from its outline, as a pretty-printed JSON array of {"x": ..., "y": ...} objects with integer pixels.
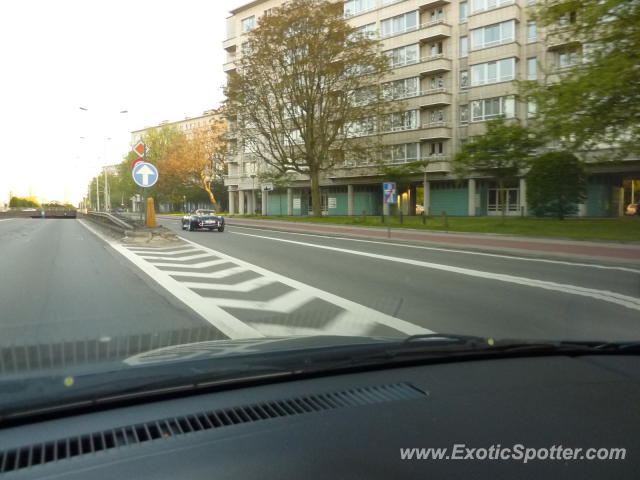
[
  {"x": 62, "y": 282},
  {"x": 467, "y": 293}
]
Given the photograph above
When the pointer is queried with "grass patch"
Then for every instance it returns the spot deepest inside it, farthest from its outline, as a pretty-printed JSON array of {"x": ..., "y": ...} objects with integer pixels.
[{"x": 626, "y": 229}]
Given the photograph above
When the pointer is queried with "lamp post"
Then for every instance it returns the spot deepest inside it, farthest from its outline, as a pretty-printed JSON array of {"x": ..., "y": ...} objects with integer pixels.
[
  {"x": 253, "y": 193},
  {"x": 106, "y": 192}
]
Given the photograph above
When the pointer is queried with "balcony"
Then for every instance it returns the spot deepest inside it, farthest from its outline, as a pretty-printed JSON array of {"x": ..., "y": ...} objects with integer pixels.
[
  {"x": 437, "y": 97},
  {"x": 559, "y": 39},
  {"x": 428, "y": 4},
  {"x": 497, "y": 52},
  {"x": 438, "y": 163},
  {"x": 229, "y": 67},
  {"x": 436, "y": 30},
  {"x": 495, "y": 15},
  {"x": 435, "y": 64},
  {"x": 230, "y": 44},
  {"x": 435, "y": 131}
]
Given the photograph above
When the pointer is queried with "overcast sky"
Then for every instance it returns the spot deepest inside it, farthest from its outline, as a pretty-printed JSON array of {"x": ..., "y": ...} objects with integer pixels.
[{"x": 157, "y": 59}]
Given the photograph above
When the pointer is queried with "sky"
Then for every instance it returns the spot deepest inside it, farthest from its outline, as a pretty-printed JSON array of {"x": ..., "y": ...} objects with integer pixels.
[{"x": 156, "y": 59}]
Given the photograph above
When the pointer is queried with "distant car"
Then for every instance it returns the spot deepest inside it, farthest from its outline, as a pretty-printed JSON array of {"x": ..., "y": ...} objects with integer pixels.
[
  {"x": 203, "y": 219},
  {"x": 633, "y": 209},
  {"x": 29, "y": 209}
]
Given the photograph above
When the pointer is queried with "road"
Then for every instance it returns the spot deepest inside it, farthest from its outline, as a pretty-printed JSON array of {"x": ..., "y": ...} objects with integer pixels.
[{"x": 62, "y": 281}]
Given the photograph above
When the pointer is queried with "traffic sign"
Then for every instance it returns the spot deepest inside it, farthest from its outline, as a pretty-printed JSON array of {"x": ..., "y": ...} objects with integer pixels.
[
  {"x": 140, "y": 148},
  {"x": 390, "y": 194},
  {"x": 135, "y": 162},
  {"x": 145, "y": 174}
]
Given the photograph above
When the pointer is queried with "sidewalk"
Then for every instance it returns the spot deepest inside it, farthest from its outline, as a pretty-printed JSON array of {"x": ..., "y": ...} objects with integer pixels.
[{"x": 628, "y": 254}]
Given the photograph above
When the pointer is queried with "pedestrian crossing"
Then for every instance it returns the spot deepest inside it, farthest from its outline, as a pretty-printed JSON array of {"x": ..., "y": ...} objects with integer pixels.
[{"x": 246, "y": 301}]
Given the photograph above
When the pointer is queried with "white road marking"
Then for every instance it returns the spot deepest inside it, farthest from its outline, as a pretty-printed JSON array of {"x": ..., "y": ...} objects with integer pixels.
[
  {"x": 166, "y": 254},
  {"x": 222, "y": 274},
  {"x": 607, "y": 296},
  {"x": 190, "y": 257},
  {"x": 6, "y": 219},
  {"x": 450, "y": 250},
  {"x": 196, "y": 266},
  {"x": 355, "y": 318},
  {"x": 210, "y": 311},
  {"x": 246, "y": 286},
  {"x": 356, "y": 310}
]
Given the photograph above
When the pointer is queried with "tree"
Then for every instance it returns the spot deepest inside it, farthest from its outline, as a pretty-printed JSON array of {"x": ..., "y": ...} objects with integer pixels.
[
  {"x": 15, "y": 202},
  {"x": 305, "y": 90},
  {"x": 501, "y": 153},
  {"x": 206, "y": 152},
  {"x": 166, "y": 148},
  {"x": 556, "y": 184},
  {"x": 596, "y": 102}
]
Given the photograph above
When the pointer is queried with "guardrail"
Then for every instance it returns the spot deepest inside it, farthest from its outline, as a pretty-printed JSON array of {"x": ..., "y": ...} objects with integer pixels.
[{"x": 110, "y": 221}]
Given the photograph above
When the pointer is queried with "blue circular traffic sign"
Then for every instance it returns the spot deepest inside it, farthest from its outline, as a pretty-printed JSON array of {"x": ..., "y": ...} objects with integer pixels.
[{"x": 145, "y": 174}]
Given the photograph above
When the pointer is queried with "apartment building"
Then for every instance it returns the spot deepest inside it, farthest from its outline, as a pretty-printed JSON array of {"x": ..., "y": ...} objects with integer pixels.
[
  {"x": 186, "y": 125},
  {"x": 454, "y": 65}
]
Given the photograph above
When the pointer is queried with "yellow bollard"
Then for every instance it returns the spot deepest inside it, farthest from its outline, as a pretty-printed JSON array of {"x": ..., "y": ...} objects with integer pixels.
[{"x": 151, "y": 213}]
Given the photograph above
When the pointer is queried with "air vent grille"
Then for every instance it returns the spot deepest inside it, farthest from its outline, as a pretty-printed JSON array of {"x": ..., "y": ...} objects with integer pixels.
[{"x": 53, "y": 451}]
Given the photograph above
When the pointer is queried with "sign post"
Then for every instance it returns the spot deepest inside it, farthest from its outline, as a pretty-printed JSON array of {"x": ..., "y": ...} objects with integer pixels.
[{"x": 145, "y": 175}]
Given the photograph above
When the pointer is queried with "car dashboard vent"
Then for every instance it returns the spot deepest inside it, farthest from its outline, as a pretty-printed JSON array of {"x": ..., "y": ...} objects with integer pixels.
[{"x": 54, "y": 451}]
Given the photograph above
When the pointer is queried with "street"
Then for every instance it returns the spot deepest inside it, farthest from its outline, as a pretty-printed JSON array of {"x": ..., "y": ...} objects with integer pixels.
[{"x": 64, "y": 280}]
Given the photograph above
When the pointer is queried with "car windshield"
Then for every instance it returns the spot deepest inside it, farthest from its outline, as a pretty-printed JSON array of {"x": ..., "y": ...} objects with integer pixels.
[{"x": 250, "y": 177}]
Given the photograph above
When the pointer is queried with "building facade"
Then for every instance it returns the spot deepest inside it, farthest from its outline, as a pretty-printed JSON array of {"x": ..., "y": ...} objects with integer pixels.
[{"x": 454, "y": 64}]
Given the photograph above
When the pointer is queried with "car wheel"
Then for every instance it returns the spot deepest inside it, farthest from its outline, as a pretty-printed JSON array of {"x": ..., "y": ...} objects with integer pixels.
[{"x": 221, "y": 229}]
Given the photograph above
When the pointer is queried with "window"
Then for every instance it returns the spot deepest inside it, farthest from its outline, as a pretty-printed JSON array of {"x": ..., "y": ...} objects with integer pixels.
[
  {"x": 464, "y": 79},
  {"x": 246, "y": 49},
  {"x": 390, "y": 2},
  {"x": 359, "y": 128},
  {"x": 435, "y": 148},
  {"x": 396, "y": 122},
  {"x": 403, "y": 153},
  {"x": 567, "y": 18},
  {"x": 531, "y": 31},
  {"x": 464, "y": 11},
  {"x": 493, "y": 35},
  {"x": 532, "y": 108},
  {"x": 464, "y": 46},
  {"x": 405, "y": 88},
  {"x": 532, "y": 68},
  {"x": 363, "y": 96},
  {"x": 482, "y": 5},
  {"x": 399, "y": 24},
  {"x": 493, "y": 72},
  {"x": 268, "y": 12},
  {"x": 464, "y": 114},
  {"x": 437, "y": 15},
  {"x": 356, "y": 7},
  {"x": 437, "y": 81},
  {"x": 436, "y": 116},
  {"x": 248, "y": 24},
  {"x": 568, "y": 57},
  {"x": 404, "y": 55},
  {"x": 436, "y": 49},
  {"x": 368, "y": 31},
  {"x": 489, "y": 108}
]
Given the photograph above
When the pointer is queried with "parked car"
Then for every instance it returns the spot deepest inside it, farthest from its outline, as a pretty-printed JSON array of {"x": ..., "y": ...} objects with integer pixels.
[{"x": 203, "y": 219}]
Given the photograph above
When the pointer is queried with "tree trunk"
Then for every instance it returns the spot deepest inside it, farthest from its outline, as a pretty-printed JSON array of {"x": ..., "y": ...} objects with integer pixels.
[
  {"x": 316, "y": 201},
  {"x": 207, "y": 188}
]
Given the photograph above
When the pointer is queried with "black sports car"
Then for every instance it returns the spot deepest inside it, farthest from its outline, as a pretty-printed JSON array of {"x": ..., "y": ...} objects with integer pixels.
[{"x": 201, "y": 219}]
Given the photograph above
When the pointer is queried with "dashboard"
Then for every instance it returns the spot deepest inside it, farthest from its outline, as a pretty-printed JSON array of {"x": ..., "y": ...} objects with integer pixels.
[{"x": 356, "y": 425}]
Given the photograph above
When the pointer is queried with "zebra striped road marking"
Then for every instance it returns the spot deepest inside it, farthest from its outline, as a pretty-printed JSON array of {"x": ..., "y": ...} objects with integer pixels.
[{"x": 243, "y": 300}]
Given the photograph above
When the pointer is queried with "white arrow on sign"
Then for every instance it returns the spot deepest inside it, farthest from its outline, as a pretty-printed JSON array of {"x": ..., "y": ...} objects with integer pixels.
[{"x": 145, "y": 171}]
